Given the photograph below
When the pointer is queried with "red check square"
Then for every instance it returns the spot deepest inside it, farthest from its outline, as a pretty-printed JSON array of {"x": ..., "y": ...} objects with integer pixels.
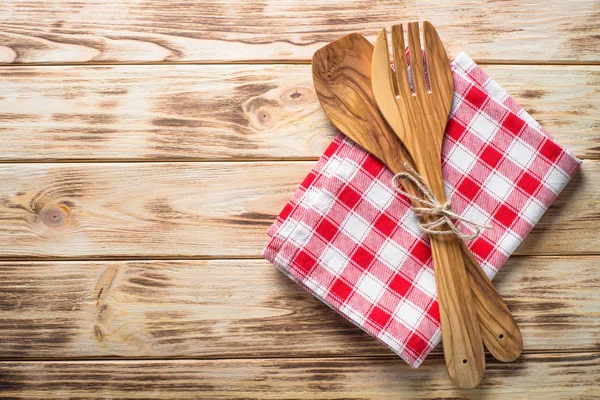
[
  {"x": 341, "y": 290},
  {"x": 400, "y": 285},
  {"x": 379, "y": 317},
  {"x": 529, "y": 183},
  {"x": 362, "y": 256},
  {"x": 349, "y": 197},
  {"x": 477, "y": 97},
  {"x": 550, "y": 150},
  {"x": 385, "y": 224},
  {"x": 506, "y": 216},
  {"x": 416, "y": 344},
  {"x": 491, "y": 156},
  {"x": 513, "y": 124},
  {"x": 468, "y": 188},
  {"x": 327, "y": 229}
]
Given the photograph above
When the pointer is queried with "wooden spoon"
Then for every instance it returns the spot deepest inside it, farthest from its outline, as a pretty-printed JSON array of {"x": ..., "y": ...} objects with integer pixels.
[{"x": 342, "y": 79}]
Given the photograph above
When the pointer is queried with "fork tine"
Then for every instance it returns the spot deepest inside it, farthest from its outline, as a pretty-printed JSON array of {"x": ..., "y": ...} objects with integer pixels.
[
  {"x": 416, "y": 59},
  {"x": 400, "y": 61},
  {"x": 382, "y": 58},
  {"x": 438, "y": 65},
  {"x": 382, "y": 82}
]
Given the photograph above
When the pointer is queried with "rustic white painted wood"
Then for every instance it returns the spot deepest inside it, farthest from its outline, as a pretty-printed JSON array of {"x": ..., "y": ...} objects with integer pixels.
[
  {"x": 116, "y": 181},
  {"x": 210, "y": 112},
  {"x": 212, "y": 209},
  {"x": 66, "y": 31},
  {"x": 247, "y": 308}
]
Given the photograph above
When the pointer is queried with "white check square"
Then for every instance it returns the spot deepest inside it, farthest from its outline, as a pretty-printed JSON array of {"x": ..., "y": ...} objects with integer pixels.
[
  {"x": 320, "y": 200},
  {"x": 334, "y": 260},
  {"x": 311, "y": 196},
  {"x": 392, "y": 254},
  {"x": 370, "y": 287},
  {"x": 379, "y": 195},
  {"x": 498, "y": 186},
  {"x": 332, "y": 165},
  {"x": 495, "y": 90},
  {"x": 318, "y": 289},
  {"x": 483, "y": 127},
  {"x": 287, "y": 227},
  {"x": 489, "y": 269},
  {"x": 509, "y": 242},
  {"x": 301, "y": 234},
  {"x": 346, "y": 170},
  {"x": 462, "y": 159},
  {"x": 521, "y": 153},
  {"x": 411, "y": 223},
  {"x": 533, "y": 211},
  {"x": 352, "y": 314},
  {"x": 426, "y": 282},
  {"x": 355, "y": 227},
  {"x": 283, "y": 261},
  {"x": 476, "y": 214},
  {"x": 391, "y": 341},
  {"x": 555, "y": 178},
  {"x": 409, "y": 314}
]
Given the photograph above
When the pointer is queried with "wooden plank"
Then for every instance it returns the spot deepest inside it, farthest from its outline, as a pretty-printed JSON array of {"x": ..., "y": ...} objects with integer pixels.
[
  {"x": 221, "y": 112},
  {"x": 202, "y": 210},
  {"x": 541, "y": 376},
  {"x": 247, "y": 308},
  {"x": 114, "y": 31}
]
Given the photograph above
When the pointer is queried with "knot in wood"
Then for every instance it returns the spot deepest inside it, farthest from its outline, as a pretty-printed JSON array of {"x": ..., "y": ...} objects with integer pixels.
[
  {"x": 264, "y": 118},
  {"x": 53, "y": 216}
]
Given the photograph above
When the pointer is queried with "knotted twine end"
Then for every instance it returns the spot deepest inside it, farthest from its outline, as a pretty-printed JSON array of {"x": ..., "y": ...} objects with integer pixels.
[{"x": 433, "y": 208}]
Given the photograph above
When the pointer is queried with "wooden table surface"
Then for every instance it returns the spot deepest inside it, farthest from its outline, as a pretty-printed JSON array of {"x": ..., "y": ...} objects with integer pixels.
[{"x": 146, "y": 146}]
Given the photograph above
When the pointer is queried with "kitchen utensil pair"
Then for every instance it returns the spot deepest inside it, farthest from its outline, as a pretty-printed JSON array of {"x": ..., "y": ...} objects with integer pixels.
[{"x": 402, "y": 122}]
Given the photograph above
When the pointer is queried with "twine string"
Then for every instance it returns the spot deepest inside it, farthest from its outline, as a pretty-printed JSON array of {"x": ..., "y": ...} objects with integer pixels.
[{"x": 433, "y": 208}]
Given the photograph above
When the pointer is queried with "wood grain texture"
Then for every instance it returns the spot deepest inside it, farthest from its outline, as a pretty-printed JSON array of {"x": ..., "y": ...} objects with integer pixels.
[
  {"x": 203, "y": 210},
  {"x": 542, "y": 376},
  {"x": 142, "y": 210},
  {"x": 222, "y": 112},
  {"x": 54, "y": 31},
  {"x": 221, "y": 310},
  {"x": 247, "y": 308}
]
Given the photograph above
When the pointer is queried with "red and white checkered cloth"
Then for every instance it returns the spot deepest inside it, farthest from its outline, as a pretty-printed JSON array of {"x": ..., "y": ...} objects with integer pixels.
[{"x": 348, "y": 238}]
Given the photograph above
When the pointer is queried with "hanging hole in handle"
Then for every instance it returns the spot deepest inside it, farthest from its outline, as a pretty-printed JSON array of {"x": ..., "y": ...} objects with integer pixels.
[
  {"x": 464, "y": 361},
  {"x": 501, "y": 336}
]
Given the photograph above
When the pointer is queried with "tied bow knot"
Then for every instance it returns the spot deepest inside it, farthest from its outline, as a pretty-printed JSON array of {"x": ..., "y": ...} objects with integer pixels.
[{"x": 433, "y": 208}]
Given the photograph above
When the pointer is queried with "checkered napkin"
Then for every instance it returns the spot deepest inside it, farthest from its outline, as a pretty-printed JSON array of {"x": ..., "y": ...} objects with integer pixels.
[{"x": 353, "y": 242}]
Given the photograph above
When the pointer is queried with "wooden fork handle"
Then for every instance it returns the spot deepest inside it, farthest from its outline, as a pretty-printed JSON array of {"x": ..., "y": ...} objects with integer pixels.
[
  {"x": 499, "y": 330},
  {"x": 461, "y": 336}
]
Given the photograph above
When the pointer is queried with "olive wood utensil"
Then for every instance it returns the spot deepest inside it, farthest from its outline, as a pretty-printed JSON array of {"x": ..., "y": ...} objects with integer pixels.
[
  {"x": 418, "y": 118},
  {"x": 341, "y": 73},
  {"x": 499, "y": 330}
]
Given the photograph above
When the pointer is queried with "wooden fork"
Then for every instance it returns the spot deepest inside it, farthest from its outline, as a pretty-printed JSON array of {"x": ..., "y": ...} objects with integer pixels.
[{"x": 419, "y": 118}]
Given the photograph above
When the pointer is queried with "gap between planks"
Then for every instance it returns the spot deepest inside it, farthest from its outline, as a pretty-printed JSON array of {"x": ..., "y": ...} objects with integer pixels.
[
  {"x": 157, "y": 160},
  {"x": 190, "y": 160},
  {"x": 231, "y": 258},
  {"x": 274, "y": 63},
  {"x": 434, "y": 355}
]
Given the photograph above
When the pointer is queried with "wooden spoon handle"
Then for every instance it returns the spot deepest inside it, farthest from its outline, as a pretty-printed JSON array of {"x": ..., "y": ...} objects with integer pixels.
[
  {"x": 499, "y": 331},
  {"x": 461, "y": 337}
]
